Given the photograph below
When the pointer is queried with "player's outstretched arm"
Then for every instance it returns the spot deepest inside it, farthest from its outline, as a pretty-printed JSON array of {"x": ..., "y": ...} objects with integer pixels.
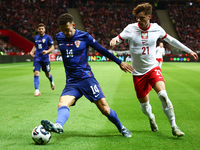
[
  {"x": 126, "y": 67},
  {"x": 193, "y": 54},
  {"x": 172, "y": 41}
]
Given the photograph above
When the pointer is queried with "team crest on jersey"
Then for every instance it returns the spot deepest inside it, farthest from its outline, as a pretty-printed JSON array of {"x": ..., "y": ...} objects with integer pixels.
[
  {"x": 77, "y": 43},
  {"x": 43, "y": 40},
  {"x": 144, "y": 35}
]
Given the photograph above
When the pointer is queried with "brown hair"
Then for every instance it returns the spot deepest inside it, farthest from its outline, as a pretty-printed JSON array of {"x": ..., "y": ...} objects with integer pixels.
[
  {"x": 65, "y": 18},
  {"x": 146, "y": 7},
  {"x": 41, "y": 25}
]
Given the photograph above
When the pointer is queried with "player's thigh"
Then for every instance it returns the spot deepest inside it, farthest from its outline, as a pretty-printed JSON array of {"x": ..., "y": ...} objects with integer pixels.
[
  {"x": 144, "y": 99},
  {"x": 156, "y": 79},
  {"x": 36, "y": 66},
  {"x": 142, "y": 86},
  {"x": 91, "y": 89},
  {"x": 46, "y": 67},
  {"x": 71, "y": 90},
  {"x": 67, "y": 100},
  {"x": 158, "y": 86}
]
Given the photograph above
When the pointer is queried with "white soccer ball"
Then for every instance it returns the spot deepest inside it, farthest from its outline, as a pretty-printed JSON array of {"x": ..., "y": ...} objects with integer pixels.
[{"x": 40, "y": 135}]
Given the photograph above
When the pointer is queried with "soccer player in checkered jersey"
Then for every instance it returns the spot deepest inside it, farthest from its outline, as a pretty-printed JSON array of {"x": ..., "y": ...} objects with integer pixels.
[
  {"x": 40, "y": 51},
  {"x": 73, "y": 45},
  {"x": 143, "y": 36},
  {"x": 160, "y": 52}
]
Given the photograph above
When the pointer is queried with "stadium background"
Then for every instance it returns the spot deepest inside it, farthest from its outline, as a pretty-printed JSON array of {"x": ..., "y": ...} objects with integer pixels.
[
  {"x": 103, "y": 20},
  {"x": 21, "y": 111}
]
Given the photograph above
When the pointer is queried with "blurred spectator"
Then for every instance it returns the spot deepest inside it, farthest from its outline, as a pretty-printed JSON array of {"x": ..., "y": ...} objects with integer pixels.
[
  {"x": 6, "y": 49},
  {"x": 105, "y": 21},
  {"x": 23, "y": 16},
  {"x": 186, "y": 22}
]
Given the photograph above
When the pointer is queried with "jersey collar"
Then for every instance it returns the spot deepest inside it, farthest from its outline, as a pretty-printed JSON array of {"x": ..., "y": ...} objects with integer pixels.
[{"x": 145, "y": 29}]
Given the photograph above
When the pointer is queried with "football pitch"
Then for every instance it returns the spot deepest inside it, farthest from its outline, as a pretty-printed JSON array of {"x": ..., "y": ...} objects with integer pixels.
[{"x": 87, "y": 128}]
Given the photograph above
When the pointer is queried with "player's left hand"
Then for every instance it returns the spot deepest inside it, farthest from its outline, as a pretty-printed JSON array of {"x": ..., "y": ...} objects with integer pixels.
[
  {"x": 193, "y": 54},
  {"x": 44, "y": 52},
  {"x": 126, "y": 67}
]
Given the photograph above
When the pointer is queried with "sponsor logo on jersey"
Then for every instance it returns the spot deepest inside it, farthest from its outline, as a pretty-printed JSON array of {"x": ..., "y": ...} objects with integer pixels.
[
  {"x": 144, "y": 35},
  {"x": 144, "y": 43},
  {"x": 43, "y": 40},
  {"x": 77, "y": 43}
]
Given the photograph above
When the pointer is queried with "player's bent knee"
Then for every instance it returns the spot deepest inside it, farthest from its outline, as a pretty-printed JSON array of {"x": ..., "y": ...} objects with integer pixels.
[
  {"x": 36, "y": 73},
  {"x": 162, "y": 95},
  {"x": 66, "y": 101},
  {"x": 164, "y": 99}
]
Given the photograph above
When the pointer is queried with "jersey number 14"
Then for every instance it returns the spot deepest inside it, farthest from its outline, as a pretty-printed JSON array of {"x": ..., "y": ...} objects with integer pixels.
[{"x": 69, "y": 52}]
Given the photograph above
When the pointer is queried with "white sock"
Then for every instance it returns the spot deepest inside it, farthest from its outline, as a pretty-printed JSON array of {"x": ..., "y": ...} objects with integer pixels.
[
  {"x": 147, "y": 110},
  {"x": 167, "y": 107}
]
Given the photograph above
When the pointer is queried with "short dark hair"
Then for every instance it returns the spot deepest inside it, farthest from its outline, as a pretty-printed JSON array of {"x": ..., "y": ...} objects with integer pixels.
[
  {"x": 146, "y": 7},
  {"x": 65, "y": 18},
  {"x": 41, "y": 25}
]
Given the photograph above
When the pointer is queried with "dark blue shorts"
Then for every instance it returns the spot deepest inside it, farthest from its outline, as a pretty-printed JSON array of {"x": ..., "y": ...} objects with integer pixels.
[
  {"x": 88, "y": 87},
  {"x": 45, "y": 66}
]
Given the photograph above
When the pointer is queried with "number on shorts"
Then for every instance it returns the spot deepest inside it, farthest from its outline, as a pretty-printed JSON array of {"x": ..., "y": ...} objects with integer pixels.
[
  {"x": 158, "y": 72},
  {"x": 94, "y": 89},
  {"x": 48, "y": 68}
]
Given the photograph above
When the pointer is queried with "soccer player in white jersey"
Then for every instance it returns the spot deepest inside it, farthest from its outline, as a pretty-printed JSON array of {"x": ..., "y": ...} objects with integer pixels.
[
  {"x": 147, "y": 74},
  {"x": 160, "y": 52}
]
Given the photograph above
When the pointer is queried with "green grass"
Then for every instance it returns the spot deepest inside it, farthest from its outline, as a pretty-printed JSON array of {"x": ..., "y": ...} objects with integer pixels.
[{"x": 87, "y": 128}]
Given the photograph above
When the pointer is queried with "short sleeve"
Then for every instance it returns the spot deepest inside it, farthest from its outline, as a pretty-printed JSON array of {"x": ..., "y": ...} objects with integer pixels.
[
  {"x": 50, "y": 41},
  {"x": 125, "y": 34}
]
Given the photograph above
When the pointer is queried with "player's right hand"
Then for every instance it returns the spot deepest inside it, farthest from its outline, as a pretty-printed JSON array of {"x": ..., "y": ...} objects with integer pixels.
[{"x": 114, "y": 41}]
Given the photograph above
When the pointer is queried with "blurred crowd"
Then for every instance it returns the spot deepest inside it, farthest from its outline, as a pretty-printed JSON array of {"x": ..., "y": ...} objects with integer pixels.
[
  {"x": 7, "y": 49},
  {"x": 23, "y": 16},
  {"x": 106, "y": 20},
  {"x": 102, "y": 20},
  {"x": 186, "y": 20}
]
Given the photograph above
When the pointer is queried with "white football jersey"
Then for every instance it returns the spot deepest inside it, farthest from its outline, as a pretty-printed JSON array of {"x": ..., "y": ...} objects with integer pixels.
[
  {"x": 160, "y": 52},
  {"x": 142, "y": 45}
]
